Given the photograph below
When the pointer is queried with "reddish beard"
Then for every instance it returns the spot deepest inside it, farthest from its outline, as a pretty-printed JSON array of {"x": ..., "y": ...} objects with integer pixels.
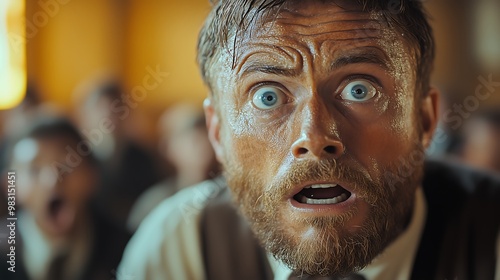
[{"x": 331, "y": 249}]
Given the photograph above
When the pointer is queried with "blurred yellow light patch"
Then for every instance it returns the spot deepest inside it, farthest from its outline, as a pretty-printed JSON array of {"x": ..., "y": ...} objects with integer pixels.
[{"x": 12, "y": 53}]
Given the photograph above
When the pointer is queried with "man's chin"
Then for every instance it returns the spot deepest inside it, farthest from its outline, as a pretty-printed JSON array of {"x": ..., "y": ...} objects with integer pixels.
[
  {"x": 322, "y": 248},
  {"x": 324, "y": 240}
]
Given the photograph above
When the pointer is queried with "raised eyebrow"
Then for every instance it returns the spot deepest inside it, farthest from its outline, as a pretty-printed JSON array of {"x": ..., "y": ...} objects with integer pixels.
[
  {"x": 370, "y": 58},
  {"x": 269, "y": 69}
]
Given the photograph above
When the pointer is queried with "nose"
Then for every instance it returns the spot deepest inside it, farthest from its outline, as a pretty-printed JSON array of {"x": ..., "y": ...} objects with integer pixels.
[
  {"x": 318, "y": 139},
  {"x": 317, "y": 146}
]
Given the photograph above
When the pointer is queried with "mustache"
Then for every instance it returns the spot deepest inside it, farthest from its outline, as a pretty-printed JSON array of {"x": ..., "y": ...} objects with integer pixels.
[{"x": 353, "y": 175}]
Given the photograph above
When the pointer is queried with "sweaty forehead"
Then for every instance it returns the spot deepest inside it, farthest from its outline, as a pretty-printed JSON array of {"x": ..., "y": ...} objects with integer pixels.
[
  {"x": 316, "y": 18},
  {"x": 322, "y": 31},
  {"x": 317, "y": 13}
]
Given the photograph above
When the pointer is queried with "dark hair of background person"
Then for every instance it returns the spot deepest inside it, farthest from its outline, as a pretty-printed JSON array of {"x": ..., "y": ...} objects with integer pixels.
[
  {"x": 110, "y": 90},
  {"x": 49, "y": 128}
]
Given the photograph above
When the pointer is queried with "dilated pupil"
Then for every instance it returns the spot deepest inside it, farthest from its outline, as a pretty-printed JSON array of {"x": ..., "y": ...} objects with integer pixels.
[{"x": 359, "y": 91}]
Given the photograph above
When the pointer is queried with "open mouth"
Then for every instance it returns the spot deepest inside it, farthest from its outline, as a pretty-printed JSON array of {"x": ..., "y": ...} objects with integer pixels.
[
  {"x": 323, "y": 194},
  {"x": 55, "y": 206},
  {"x": 60, "y": 215}
]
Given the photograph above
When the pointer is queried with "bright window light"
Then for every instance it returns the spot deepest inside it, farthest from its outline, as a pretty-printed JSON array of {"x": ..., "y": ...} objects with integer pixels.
[{"x": 12, "y": 53}]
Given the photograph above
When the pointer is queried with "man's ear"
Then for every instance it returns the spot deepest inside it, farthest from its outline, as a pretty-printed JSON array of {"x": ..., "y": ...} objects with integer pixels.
[
  {"x": 429, "y": 115},
  {"x": 213, "y": 127}
]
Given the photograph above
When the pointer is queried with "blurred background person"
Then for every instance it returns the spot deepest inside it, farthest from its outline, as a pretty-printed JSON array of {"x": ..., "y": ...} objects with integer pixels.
[
  {"x": 59, "y": 236},
  {"x": 126, "y": 167},
  {"x": 184, "y": 144},
  {"x": 13, "y": 122},
  {"x": 480, "y": 139}
]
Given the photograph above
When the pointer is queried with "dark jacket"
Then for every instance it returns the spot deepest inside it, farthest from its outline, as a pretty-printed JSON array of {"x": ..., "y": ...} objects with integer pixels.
[{"x": 107, "y": 249}]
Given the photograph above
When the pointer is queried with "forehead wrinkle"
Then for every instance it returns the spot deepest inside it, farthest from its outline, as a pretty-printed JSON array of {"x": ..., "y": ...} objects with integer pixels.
[
  {"x": 265, "y": 62},
  {"x": 348, "y": 31},
  {"x": 341, "y": 30},
  {"x": 333, "y": 26},
  {"x": 302, "y": 18},
  {"x": 320, "y": 48},
  {"x": 359, "y": 40},
  {"x": 298, "y": 13},
  {"x": 320, "y": 24}
]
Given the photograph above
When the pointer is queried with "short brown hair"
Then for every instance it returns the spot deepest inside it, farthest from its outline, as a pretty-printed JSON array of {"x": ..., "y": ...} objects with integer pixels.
[{"x": 233, "y": 17}]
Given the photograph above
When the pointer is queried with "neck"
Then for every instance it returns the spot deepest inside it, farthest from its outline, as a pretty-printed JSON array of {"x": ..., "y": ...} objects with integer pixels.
[{"x": 185, "y": 179}]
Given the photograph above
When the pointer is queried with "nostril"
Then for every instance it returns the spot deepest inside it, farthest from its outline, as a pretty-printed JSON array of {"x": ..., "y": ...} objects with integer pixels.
[
  {"x": 330, "y": 149},
  {"x": 302, "y": 151}
]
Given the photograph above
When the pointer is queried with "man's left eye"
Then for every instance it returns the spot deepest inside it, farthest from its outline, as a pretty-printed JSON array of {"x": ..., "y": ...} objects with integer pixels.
[
  {"x": 267, "y": 98},
  {"x": 358, "y": 91}
]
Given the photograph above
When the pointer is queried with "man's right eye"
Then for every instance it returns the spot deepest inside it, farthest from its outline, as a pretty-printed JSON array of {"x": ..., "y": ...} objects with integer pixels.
[{"x": 266, "y": 98}]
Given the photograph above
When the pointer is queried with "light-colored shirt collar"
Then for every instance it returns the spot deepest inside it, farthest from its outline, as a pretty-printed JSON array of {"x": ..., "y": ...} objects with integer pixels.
[
  {"x": 395, "y": 262},
  {"x": 38, "y": 251}
]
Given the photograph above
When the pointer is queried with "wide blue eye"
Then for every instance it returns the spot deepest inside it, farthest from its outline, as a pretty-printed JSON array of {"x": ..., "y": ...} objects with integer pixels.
[
  {"x": 267, "y": 98},
  {"x": 358, "y": 91}
]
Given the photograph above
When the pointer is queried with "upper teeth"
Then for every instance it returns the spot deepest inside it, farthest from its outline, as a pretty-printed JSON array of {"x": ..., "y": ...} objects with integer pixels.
[
  {"x": 341, "y": 198},
  {"x": 321, "y": 186}
]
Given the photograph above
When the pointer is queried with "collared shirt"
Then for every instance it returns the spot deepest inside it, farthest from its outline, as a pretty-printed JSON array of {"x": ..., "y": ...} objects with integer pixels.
[{"x": 39, "y": 251}]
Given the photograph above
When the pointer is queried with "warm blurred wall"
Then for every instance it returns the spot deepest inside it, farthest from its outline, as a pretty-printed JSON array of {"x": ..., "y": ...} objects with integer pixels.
[
  {"x": 453, "y": 65},
  {"x": 163, "y": 34},
  {"x": 72, "y": 40},
  {"x": 458, "y": 26}
]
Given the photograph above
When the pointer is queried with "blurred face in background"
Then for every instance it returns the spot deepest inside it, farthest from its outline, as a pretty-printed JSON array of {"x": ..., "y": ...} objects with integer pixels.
[
  {"x": 54, "y": 190},
  {"x": 184, "y": 141},
  {"x": 482, "y": 145},
  {"x": 189, "y": 149}
]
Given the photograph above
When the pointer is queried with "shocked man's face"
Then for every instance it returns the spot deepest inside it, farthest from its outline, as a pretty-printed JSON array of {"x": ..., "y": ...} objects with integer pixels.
[{"x": 321, "y": 134}]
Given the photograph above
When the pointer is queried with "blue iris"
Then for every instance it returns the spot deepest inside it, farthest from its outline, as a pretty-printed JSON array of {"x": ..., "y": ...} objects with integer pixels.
[
  {"x": 269, "y": 98},
  {"x": 359, "y": 91}
]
